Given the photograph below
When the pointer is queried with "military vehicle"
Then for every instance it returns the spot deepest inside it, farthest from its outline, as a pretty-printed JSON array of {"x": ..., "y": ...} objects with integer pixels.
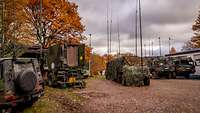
[
  {"x": 65, "y": 65},
  {"x": 184, "y": 66},
  {"x": 162, "y": 67},
  {"x": 21, "y": 83},
  {"x": 62, "y": 65},
  {"x": 126, "y": 70}
]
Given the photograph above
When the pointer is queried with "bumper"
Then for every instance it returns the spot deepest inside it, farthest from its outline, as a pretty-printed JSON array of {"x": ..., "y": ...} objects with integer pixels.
[{"x": 22, "y": 100}]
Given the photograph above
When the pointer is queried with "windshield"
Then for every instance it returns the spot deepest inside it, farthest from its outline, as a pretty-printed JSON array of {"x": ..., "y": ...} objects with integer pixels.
[
  {"x": 185, "y": 62},
  {"x": 21, "y": 66}
]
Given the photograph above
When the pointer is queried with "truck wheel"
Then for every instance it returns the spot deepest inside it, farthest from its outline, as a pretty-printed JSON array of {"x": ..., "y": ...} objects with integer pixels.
[
  {"x": 174, "y": 75},
  {"x": 146, "y": 81},
  {"x": 124, "y": 83},
  {"x": 187, "y": 76},
  {"x": 154, "y": 75},
  {"x": 49, "y": 80},
  {"x": 169, "y": 76}
]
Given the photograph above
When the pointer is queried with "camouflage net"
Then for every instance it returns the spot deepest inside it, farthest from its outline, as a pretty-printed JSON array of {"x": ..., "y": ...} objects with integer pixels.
[
  {"x": 126, "y": 71},
  {"x": 133, "y": 75}
]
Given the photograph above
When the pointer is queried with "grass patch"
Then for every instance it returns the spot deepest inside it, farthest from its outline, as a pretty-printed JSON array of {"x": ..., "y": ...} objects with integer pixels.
[
  {"x": 98, "y": 77},
  {"x": 56, "y": 101}
]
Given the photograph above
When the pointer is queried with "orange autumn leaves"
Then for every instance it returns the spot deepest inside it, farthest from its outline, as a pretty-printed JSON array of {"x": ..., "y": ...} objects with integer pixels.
[
  {"x": 57, "y": 21},
  {"x": 98, "y": 64}
]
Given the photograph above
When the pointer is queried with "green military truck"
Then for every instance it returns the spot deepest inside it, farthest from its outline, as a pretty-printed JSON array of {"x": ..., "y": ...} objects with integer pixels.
[
  {"x": 184, "y": 66},
  {"x": 62, "y": 65},
  {"x": 162, "y": 67},
  {"x": 66, "y": 65},
  {"x": 21, "y": 83},
  {"x": 172, "y": 67}
]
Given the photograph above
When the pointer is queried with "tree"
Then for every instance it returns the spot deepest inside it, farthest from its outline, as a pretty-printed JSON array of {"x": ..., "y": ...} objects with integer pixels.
[
  {"x": 98, "y": 64},
  {"x": 195, "y": 41},
  {"x": 173, "y": 50},
  {"x": 189, "y": 45},
  {"x": 56, "y": 20},
  {"x": 88, "y": 51}
]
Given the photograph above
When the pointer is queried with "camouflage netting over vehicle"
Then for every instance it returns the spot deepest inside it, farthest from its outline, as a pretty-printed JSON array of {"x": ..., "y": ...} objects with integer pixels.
[{"x": 127, "y": 71}]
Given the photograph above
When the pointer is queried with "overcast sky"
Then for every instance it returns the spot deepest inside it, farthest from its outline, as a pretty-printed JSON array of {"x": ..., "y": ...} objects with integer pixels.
[{"x": 160, "y": 18}]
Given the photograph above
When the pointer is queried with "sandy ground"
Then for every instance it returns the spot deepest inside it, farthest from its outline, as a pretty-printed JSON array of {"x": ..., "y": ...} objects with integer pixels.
[{"x": 162, "y": 96}]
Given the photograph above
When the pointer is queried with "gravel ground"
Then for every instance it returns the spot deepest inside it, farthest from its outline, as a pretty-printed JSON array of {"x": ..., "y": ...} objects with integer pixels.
[{"x": 162, "y": 96}]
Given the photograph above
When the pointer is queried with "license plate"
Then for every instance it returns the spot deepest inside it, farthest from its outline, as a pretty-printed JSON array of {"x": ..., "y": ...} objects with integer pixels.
[{"x": 72, "y": 79}]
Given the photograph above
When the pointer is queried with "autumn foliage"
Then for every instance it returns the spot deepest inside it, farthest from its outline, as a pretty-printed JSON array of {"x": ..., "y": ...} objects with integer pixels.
[
  {"x": 46, "y": 23},
  {"x": 195, "y": 41},
  {"x": 173, "y": 50},
  {"x": 98, "y": 64}
]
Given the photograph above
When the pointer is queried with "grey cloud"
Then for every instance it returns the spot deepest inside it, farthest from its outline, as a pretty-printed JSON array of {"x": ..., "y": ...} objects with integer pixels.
[{"x": 161, "y": 18}]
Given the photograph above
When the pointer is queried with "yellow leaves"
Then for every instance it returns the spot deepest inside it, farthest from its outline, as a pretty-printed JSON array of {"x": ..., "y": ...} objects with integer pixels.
[
  {"x": 59, "y": 19},
  {"x": 98, "y": 64},
  {"x": 87, "y": 53},
  {"x": 173, "y": 50}
]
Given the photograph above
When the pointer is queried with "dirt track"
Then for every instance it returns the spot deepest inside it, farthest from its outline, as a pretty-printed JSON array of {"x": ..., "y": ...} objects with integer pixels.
[{"x": 162, "y": 96}]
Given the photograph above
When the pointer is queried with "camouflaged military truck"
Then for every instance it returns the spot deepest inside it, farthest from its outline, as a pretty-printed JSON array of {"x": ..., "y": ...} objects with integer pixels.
[
  {"x": 127, "y": 71},
  {"x": 21, "y": 83},
  {"x": 184, "y": 66},
  {"x": 162, "y": 67}
]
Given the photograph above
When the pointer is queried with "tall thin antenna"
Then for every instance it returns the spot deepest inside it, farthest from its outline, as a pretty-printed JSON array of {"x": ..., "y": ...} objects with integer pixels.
[
  {"x": 152, "y": 48},
  {"x": 118, "y": 34},
  {"x": 160, "y": 46},
  {"x": 90, "y": 44},
  {"x": 145, "y": 51},
  {"x": 136, "y": 28},
  {"x": 141, "y": 38},
  {"x": 149, "y": 48},
  {"x": 111, "y": 30},
  {"x": 108, "y": 36},
  {"x": 169, "y": 45}
]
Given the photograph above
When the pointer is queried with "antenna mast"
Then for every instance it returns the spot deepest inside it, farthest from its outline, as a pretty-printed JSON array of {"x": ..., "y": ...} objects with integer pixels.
[
  {"x": 111, "y": 30},
  {"x": 108, "y": 42},
  {"x": 136, "y": 28},
  {"x": 141, "y": 38},
  {"x": 118, "y": 31},
  {"x": 160, "y": 46}
]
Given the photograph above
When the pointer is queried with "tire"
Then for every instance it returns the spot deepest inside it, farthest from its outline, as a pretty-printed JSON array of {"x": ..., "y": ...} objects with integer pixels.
[
  {"x": 187, "y": 76},
  {"x": 146, "y": 81},
  {"x": 174, "y": 75},
  {"x": 124, "y": 82},
  {"x": 169, "y": 76},
  {"x": 26, "y": 81},
  {"x": 49, "y": 80},
  {"x": 154, "y": 75},
  {"x": 30, "y": 103}
]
